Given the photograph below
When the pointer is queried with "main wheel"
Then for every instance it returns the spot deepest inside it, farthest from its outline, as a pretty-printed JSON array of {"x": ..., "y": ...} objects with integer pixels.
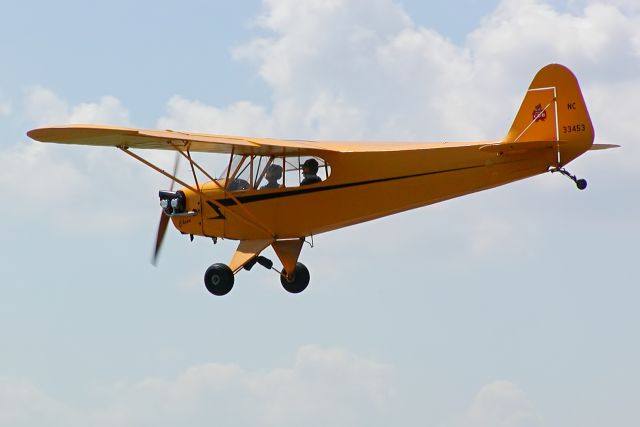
[
  {"x": 298, "y": 282},
  {"x": 219, "y": 279}
]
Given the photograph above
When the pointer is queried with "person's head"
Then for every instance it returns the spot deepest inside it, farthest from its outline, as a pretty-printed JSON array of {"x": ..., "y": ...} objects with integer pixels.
[
  {"x": 310, "y": 167},
  {"x": 274, "y": 173}
]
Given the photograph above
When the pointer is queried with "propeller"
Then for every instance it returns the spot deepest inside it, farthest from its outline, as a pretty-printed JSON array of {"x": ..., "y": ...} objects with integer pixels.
[{"x": 164, "y": 219}]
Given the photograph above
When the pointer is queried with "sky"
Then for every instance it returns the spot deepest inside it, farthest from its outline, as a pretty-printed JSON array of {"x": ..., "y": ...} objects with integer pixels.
[{"x": 513, "y": 307}]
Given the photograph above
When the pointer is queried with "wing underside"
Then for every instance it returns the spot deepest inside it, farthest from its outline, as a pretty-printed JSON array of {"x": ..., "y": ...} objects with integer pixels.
[{"x": 107, "y": 136}]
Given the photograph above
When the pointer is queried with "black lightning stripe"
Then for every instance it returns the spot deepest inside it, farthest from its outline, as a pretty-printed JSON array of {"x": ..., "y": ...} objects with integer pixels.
[{"x": 216, "y": 209}]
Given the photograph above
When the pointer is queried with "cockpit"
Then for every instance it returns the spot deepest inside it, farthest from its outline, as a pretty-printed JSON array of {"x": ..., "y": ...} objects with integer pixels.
[{"x": 268, "y": 172}]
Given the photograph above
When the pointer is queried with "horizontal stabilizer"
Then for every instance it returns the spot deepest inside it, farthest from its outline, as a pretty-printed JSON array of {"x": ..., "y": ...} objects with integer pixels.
[
  {"x": 505, "y": 148},
  {"x": 603, "y": 146}
]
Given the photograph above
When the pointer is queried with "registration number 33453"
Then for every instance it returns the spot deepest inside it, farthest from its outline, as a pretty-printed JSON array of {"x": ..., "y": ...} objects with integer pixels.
[{"x": 574, "y": 128}]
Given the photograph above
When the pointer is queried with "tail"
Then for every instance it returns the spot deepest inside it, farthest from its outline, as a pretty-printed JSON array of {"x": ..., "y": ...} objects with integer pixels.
[{"x": 554, "y": 111}]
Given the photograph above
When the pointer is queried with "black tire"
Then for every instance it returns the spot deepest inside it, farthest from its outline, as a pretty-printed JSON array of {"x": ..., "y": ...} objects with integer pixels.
[
  {"x": 299, "y": 282},
  {"x": 582, "y": 184},
  {"x": 219, "y": 279}
]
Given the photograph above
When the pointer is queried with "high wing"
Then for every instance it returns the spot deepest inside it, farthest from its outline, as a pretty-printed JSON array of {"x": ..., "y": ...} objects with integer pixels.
[{"x": 110, "y": 136}]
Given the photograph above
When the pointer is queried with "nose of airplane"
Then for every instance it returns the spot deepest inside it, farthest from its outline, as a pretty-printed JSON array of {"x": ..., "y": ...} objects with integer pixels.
[{"x": 172, "y": 202}]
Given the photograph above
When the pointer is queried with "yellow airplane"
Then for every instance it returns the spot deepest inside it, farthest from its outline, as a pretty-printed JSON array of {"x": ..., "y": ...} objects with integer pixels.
[{"x": 280, "y": 193}]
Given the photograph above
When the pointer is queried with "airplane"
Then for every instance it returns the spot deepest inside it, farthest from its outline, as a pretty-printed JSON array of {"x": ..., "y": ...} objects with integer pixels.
[{"x": 281, "y": 193}]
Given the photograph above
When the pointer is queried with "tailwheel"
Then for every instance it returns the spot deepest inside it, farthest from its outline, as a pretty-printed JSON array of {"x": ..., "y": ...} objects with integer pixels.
[
  {"x": 298, "y": 281},
  {"x": 219, "y": 279},
  {"x": 580, "y": 183}
]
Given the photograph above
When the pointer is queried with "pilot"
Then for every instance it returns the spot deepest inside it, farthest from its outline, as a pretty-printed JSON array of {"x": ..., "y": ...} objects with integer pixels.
[
  {"x": 273, "y": 174},
  {"x": 310, "y": 172}
]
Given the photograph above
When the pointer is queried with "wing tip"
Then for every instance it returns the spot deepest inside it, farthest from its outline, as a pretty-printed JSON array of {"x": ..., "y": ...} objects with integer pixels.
[
  {"x": 39, "y": 134},
  {"x": 57, "y": 133}
]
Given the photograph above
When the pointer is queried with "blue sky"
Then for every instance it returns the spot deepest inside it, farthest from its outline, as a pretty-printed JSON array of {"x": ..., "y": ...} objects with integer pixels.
[{"x": 512, "y": 307}]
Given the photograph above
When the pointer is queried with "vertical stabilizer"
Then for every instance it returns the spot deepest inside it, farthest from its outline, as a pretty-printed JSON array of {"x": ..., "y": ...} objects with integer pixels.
[{"x": 553, "y": 109}]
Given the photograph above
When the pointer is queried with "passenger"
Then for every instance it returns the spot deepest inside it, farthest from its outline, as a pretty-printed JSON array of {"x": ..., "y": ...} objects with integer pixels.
[
  {"x": 273, "y": 174},
  {"x": 238, "y": 184},
  {"x": 310, "y": 172}
]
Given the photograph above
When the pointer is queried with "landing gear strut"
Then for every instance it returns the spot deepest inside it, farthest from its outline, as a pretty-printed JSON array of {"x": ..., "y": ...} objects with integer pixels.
[{"x": 580, "y": 183}]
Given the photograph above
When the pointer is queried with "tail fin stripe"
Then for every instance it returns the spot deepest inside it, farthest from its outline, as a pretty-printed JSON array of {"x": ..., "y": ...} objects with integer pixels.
[
  {"x": 535, "y": 89},
  {"x": 533, "y": 121}
]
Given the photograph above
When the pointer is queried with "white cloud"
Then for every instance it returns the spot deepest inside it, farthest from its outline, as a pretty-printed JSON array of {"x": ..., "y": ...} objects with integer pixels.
[
  {"x": 325, "y": 386},
  {"x": 73, "y": 179},
  {"x": 363, "y": 69},
  {"x": 351, "y": 69},
  {"x": 184, "y": 114},
  {"x": 520, "y": 34},
  {"x": 43, "y": 106},
  {"x": 107, "y": 111},
  {"x": 69, "y": 184},
  {"x": 21, "y": 403},
  {"x": 500, "y": 404},
  {"x": 38, "y": 174},
  {"x": 613, "y": 106}
]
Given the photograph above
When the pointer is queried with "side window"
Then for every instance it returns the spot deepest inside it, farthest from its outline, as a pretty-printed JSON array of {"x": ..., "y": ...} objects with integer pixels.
[
  {"x": 268, "y": 173},
  {"x": 305, "y": 170},
  {"x": 255, "y": 172}
]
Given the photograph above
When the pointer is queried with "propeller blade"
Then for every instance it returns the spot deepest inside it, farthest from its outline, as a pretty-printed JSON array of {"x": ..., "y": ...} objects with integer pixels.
[
  {"x": 162, "y": 229},
  {"x": 164, "y": 219},
  {"x": 176, "y": 162}
]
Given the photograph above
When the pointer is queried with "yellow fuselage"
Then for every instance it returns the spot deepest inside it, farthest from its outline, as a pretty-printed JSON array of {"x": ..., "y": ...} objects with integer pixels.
[{"x": 363, "y": 186}]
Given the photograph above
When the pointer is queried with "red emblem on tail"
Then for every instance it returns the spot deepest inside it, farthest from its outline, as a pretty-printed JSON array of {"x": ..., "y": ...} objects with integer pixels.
[{"x": 539, "y": 114}]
